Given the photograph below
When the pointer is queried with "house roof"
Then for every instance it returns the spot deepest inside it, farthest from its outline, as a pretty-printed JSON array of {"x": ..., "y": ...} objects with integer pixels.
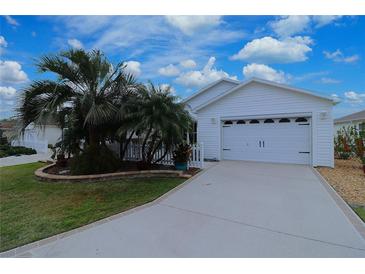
[
  {"x": 224, "y": 79},
  {"x": 266, "y": 82},
  {"x": 352, "y": 117}
]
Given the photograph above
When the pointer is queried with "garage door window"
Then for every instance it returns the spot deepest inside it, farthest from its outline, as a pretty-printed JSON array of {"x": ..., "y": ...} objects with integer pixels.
[
  {"x": 241, "y": 122},
  {"x": 228, "y": 122},
  {"x": 284, "y": 120},
  {"x": 254, "y": 122},
  {"x": 301, "y": 120},
  {"x": 269, "y": 121}
]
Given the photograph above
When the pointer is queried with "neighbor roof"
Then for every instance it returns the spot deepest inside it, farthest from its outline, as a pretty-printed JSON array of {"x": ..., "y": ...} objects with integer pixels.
[
  {"x": 257, "y": 80},
  {"x": 352, "y": 117}
]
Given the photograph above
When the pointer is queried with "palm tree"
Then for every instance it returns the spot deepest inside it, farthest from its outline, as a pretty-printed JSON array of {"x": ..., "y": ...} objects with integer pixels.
[
  {"x": 95, "y": 89},
  {"x": 162, "y": 121}
]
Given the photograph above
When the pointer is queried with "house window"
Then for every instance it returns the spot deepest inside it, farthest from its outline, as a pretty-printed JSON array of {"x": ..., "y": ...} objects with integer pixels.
[
  {"x": 284, "y": 120},
  {"x": 362, "y": 127},
  {"x": 241, "y": 122},
  {"x": 269, "y": 121},
  {"x": 193, "y": 139},
  {"x": 254, "y": 122},
  {"x": 301, "y": 119},
  {"x": 228, "y": 122}
]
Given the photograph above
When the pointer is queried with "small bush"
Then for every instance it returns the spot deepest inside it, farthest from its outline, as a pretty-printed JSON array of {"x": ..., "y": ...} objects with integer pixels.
[
  {"x": 3, "y": 154},
  {"x": 7, "y": 150},
  {"x": 4, "y": 141},
  {"x": 94, "y": 161}
]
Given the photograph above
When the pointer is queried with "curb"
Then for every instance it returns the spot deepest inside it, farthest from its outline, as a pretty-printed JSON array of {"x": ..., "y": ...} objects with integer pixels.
[
  {"x": 20, "y": 251},
  {"x": 354, "y": 219}
]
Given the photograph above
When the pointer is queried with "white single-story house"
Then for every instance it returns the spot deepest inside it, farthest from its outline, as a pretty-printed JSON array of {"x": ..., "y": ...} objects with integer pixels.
[
  {"x": 38, "y": 137},
  {"x": 356, "y": 119},
  {"x": 49, "y": 133},
  {"x": 259, "y": 120}
]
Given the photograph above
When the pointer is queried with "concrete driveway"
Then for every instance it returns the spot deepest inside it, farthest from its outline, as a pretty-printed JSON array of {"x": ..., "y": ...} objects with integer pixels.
[
  {"x": 25, "y": 159},
  {"x": 233, "y": 209}
]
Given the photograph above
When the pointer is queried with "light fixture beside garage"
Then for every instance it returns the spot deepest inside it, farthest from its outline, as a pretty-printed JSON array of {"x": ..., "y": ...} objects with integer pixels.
[
  {"x": 213, "y": 121},
  {"x": 323, "y": 115}
]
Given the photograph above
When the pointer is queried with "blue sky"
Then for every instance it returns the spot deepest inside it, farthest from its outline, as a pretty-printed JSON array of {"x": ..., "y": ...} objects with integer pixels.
[{"x": 320, "y": 53}]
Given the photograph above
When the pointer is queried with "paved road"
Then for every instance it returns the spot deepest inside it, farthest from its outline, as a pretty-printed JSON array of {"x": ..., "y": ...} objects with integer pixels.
[
  {"x": 234, "y": 209},
  {"x": 25, "y": 159}
]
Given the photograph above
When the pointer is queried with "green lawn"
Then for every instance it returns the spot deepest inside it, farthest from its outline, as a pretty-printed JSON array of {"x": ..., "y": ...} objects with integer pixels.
[
  {"x": 360, "y": 211},
  {"x": 31, "y": 210}
]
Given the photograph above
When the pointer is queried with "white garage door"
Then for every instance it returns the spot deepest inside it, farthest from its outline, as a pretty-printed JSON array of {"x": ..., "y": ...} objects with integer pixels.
[{"x": 284, "y": 140}]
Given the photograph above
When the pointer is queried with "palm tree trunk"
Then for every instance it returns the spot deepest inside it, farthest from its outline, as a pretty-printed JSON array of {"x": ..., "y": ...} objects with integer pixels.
[
  {"x": 144, "y": 143},
  {"x": 93, "y": 138},
  {"x": 124, "y": 146}
]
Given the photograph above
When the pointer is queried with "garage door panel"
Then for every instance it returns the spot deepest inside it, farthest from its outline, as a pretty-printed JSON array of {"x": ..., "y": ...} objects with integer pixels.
[{"x": 274, "y": 142}]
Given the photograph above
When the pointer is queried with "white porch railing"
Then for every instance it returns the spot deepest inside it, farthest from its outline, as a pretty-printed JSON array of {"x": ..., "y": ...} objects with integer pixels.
[{"x": 134, "y": 153}]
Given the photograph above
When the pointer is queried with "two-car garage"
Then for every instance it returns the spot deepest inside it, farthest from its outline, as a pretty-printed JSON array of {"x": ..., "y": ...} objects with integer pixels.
[{"x": 281, "y": 140}]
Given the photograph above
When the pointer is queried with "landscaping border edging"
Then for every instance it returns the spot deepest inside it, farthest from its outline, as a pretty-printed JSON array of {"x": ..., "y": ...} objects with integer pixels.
[{"x": 42, "y": 175}]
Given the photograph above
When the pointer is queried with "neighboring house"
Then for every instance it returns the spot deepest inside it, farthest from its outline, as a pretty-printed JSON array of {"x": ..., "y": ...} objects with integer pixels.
[
  {"x": 49, "y": 133},
  {"x": 38, "y": 137},
  {"x": 356, "y": 119},
  {"x": 259, "y": 120}
]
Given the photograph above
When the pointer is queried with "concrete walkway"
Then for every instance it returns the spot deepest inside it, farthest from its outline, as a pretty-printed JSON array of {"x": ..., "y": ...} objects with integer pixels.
[
  {"x": 25, "y": 159},
  {"x": 233, "y": 209}
]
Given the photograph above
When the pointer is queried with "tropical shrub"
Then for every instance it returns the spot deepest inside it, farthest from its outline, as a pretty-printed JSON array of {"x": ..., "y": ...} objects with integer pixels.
[
  {"x": 349, "y": 142},
  {"x": 182, "y": 153},
  {"x": 95, "y": 102},
  {"x": 94, "y": 160},
  {"x": 87, "y": 98},
  {"x": 161, "y": 122}
]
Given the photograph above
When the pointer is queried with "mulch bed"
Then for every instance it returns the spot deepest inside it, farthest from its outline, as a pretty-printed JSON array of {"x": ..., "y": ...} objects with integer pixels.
[
  {"x": 125, "y": 166},
  {"x": 348, "y": 179}
]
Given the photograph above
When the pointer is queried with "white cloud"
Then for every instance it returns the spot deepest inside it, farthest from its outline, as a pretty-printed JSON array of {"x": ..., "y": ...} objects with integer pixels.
[
  {"x": 152, "y": 37},
  {"x": 188, "y": 63},
  {"x": 33, "y": 33},
  {"x": 75, "y": 43},
  {"x": 264, "y": 72},
  {"x": 168, "y": 86},
  {"x": 328, "y": 80},
  {"x": 322, "y": 20},
  {"x": 169, "y": 71},
  {"x": 133, "y": 67},
  {"x": 270, "y": 50},
  {"x": 335, "y": 97},
  {"x": 354, "y": 98},
  {"x": 198, "y": 78},
  {"x": 7, "y": 93},
  {"x": 10, "y": 20},
  {"x": 11, "y": 72},
  {"x": 289, "y": 25},
  {"x": 189, "y": 24},
  {"x": 3, "y": 42},
  {"x": 338, "y": 56}
]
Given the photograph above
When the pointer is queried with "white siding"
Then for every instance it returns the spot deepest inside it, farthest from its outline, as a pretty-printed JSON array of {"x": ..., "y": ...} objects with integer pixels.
[
  {"x": 49, "y": 133},
  {"x": 261, "y": 99},
  {"x": 210, "y": 93}
]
